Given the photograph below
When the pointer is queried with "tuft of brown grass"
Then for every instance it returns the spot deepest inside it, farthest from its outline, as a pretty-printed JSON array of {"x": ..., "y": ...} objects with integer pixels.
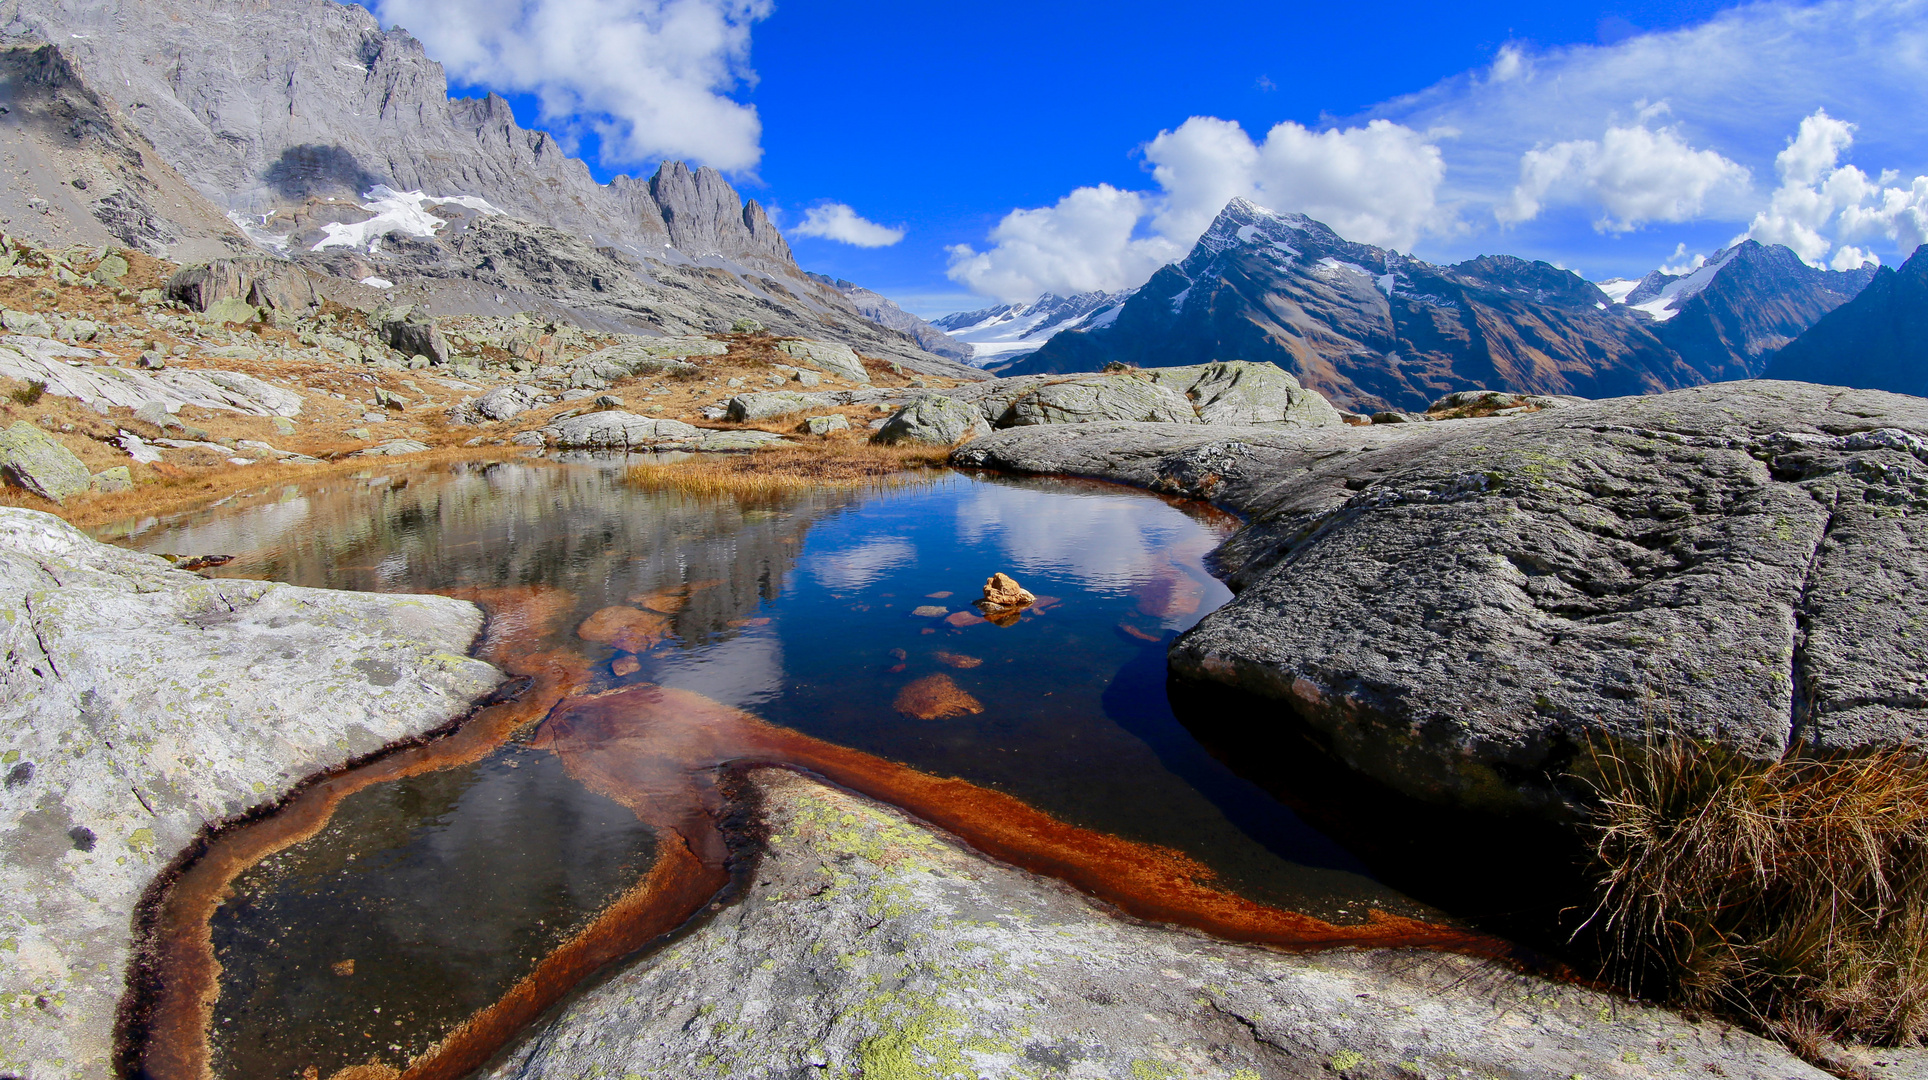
[
  {"x": 784, "y": 470},
  {"x": 1792, "y": 893}
]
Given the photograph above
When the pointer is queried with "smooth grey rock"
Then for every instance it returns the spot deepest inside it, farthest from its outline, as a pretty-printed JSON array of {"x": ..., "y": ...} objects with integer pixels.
[
  {"x": 1236, "y": 392},
  {"x": 808, "y": 378},
  {"x": 1456, "y": 607},
  {"x": 617, "y": 430},
  {"x": 393, "y": 448},
  {"x": 39, "y": 463},
  {"x": 1123, "y": 396},
  {"x": 118, "y": 478},
  {"x": 824, "y": 425},
  {"x": 745, "y": 408},
  {"x": 714, "y": 442},
  {"x": 39, "y": 360},
  {"x": 644, "y": 356},
  {"x": 28, "y": 323},
  {"x": 230, "y": 309},
  {"x": 869, "y": 944},
  {"x": 1390, "y": 417},
  {"x": 502, "y": 403},
  {"x": 829, "y": 357},
  {"x": 145, "y": 704},
  {"x": 937, "y": 420}
]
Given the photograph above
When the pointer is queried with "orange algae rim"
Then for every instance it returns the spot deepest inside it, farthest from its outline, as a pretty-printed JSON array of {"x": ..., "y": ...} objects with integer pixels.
[{"x": 178, "y": 970}]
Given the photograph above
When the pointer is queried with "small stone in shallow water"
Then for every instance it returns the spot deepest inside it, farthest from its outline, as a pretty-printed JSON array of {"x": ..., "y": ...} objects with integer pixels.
[
  {"x": 1002, "y": 590},
  {"x": 624, "y": 628},
  {"x": 962, "y": 619},
  {"x": 936, "y": 697},
  {"x": 957, "y": 660},
  {"x": 625, "y": 665},
  {"x": 930, "y": 611},
  {"x": 343, "y": 967}
]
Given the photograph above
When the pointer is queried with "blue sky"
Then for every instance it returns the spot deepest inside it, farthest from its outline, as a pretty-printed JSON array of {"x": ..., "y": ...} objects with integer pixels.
[{"x": 1611, "y": 138}]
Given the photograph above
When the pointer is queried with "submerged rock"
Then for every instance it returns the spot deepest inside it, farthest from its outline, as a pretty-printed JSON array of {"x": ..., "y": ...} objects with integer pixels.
[
  {"x": 1456, "y": 608},
  {"x": 936, "y": 697},
  {"x": 926, "y": 959},
  {"x": 145, "y": 704}
]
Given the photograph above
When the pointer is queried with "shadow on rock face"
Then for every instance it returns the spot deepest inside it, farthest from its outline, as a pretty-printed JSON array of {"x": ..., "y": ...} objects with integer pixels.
[
  {"x": 1520, "y": 877},
  {"x": 314, "y": 169}
]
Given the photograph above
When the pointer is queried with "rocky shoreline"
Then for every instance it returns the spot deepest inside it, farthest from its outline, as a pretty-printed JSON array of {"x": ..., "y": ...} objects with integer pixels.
[
  {"x": 145, "y": 706},
  {"x": 1456, "y": 607}
]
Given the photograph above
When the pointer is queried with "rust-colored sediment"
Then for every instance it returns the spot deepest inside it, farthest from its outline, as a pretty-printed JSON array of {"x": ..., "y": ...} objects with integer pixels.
[
  {"x": 182, "y": 953},
  {"x": 653, "y": 747},
  {"x": 658, "y": 751}
]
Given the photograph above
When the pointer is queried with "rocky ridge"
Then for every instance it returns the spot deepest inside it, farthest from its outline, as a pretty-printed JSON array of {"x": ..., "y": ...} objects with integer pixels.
[
  {"x": 1375, "y": 330},
  {"x": 341, "y": 148},
  {"x": 144, "y": 704}
]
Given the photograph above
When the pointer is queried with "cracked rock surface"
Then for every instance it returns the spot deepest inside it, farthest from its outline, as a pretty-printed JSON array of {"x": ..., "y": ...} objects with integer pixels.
[
  {"x": 870, "y": 945},
  {"x": 1456, "y": 607},
  {"x": 140, "y": 704}
]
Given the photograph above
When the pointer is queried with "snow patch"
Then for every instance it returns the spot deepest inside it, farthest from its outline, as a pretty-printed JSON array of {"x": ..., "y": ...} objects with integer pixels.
[
  {"x": 377, "y": 283},
  {"x": 1618, "y": 288},
  {"x": 1676, "y": 292},
  {"x": 405, "y": 212},
  {"x": 1178, "y": 302},
  {"x": 258, "y": 233},
  {"x": 1246, "y": 233}
]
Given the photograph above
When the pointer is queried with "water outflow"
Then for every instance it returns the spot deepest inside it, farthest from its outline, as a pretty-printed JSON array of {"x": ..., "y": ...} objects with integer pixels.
[{"x": 669, "y": 636}]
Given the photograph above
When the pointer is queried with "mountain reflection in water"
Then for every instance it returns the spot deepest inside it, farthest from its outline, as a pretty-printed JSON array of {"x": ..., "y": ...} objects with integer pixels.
[{"x": 791, "y": 628}]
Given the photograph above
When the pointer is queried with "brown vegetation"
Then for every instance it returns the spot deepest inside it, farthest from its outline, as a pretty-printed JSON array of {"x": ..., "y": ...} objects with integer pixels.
[
  {"x": 1793, "y": 893},
  {"x": 783, "y": 470}
]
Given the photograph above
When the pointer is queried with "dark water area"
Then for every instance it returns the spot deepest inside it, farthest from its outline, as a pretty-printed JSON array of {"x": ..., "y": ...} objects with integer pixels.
[{"x": 833, "y": 614}]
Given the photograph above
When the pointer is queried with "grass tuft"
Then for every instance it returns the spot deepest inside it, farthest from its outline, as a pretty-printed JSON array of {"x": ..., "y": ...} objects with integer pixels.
[
  {"x": 784, "y": 470},
  {"x": 1793, "y": 892},
  {"x": 29, "y": 394}
]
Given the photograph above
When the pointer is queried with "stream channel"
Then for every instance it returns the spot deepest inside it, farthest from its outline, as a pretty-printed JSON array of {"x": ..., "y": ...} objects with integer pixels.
[{"x": 834, "y": 619}]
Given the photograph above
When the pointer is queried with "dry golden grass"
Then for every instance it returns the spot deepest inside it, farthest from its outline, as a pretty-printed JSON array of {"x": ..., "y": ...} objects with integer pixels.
[
  {"x": 1793, "y": 893},
  {"x": 783, "y": 470}
]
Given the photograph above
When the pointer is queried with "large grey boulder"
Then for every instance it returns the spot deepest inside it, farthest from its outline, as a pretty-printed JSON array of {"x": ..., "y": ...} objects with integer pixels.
[
  {"x": 745, "y": 408},
  {"x": 410, "y": 331},
  {"x": 633, "y": 358},
  {"x": 274, "y": 284},
  {"x": 937, "y": 420},
  {"x": 1121, "y": 396},
  {"x": 144, "y": 704},
  {"x": 39, "y": 463},
  {"x": 828, "y": 357},
  {"x": 1456, "y": 608},
  {"x": 869, "y": 944},
  {"x": 502, "y": 403},
  {"x": 619, "y": 430},
  {"x": 1237, "y": 392}
]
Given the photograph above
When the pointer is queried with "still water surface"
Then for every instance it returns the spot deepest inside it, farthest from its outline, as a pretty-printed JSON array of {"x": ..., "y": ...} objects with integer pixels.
[{"x": 813, "y": 613}]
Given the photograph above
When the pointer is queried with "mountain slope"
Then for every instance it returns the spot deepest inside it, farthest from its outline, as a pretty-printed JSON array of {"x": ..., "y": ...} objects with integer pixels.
[
  {"x": 884, "y": 311},
  {"x": 1877, "y": 341},
  {"x": 1370, "y": 328},
  {"x": 1009, "y": 331},
  {"x": 334, "y": 142},
  {"x": 1727, "y": 317}
]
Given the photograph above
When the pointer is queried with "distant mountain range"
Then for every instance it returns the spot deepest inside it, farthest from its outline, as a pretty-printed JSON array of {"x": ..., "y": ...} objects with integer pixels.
[
  {"x": 1007, "y": 331},
  {"x": 1373, "y": 329},
  {"x": 1877, "y": 341},
  {"x": 302, "y": 127}
]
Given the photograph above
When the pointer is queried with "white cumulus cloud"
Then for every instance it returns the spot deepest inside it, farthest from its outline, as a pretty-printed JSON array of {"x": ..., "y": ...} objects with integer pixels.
[
  {"x": 836, "y": 221},
  {"x": 1632, "y": 173},
  {"x": 651, "y": 78},
  {"x": 1376, "y": 183},
  {"x": 1818, "y": 195},
  {"x": 1084, "y": 243}
]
